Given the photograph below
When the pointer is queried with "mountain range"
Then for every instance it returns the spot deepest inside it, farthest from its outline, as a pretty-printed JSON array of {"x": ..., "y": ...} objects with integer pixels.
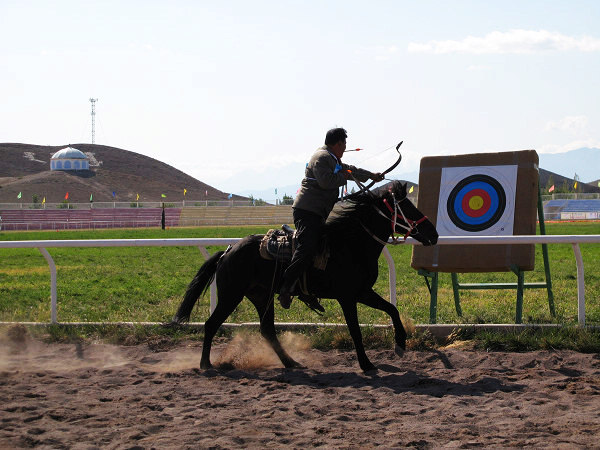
[{"x": 25, "y": 169}]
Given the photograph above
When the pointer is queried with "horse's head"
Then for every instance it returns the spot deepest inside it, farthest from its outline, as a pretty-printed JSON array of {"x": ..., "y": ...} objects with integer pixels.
[{"x": 404, "y": 215}]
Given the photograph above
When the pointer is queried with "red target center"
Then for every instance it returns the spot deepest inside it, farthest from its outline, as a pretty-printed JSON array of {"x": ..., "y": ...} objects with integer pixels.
[{"x": 476, "y": 203}]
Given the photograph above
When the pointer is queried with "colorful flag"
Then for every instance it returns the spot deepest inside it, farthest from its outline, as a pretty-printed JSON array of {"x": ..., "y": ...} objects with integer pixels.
[
  {"x": 163, "y": 195},
  {"x": 137, "y": 197},
  {"x": 551, "y": 188},
  {"x": 230, "y": 195},
  {"x": 44, "y": 200},
  {"x": 91, "y": 197},
  {"x": 19, "y": 196},
  {"x": 575, "y": 187},
  {"x": 114, "y": 194},
  {"x": 412, "y": 188},
  {"x": 184, "y": 191},
  {"x": 67, "y": 196}
]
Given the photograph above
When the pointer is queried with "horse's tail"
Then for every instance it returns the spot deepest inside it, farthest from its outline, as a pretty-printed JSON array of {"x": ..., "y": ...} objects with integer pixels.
[{"x": 196, "y": 288}]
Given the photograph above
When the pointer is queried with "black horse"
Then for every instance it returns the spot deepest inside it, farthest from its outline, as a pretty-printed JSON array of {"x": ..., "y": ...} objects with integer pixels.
[{"x": 357, "y": 229}]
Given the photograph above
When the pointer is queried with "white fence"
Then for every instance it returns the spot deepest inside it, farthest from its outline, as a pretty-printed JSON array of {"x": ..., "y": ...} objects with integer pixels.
[{"x": 201, "y": 243}]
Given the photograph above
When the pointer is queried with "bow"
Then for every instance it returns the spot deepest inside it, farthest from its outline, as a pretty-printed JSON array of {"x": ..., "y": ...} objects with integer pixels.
[{"x": 364, "y": 188}]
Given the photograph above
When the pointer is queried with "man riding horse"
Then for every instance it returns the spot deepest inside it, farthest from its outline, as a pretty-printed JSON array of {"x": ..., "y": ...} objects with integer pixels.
[{"x": 324, "y": 175}]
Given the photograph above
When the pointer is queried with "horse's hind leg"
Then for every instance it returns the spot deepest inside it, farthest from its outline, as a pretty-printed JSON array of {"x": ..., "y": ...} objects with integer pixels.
[
  {"x": 225, "y": 306},
  {"x": 374, "y": 300},
  {"x": 266, "y": 311}
]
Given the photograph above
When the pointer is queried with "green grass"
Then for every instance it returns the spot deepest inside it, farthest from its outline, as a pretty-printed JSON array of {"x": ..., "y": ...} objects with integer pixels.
[{"x": 146, "y": 283}]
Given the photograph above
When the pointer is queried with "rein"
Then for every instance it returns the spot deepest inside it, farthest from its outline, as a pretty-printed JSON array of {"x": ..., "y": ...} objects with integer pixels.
[{"x": 396, "y": 212}]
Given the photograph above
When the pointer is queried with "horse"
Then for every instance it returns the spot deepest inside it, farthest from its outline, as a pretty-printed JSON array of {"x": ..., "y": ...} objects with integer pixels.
[{"x": 357, "y": 229}]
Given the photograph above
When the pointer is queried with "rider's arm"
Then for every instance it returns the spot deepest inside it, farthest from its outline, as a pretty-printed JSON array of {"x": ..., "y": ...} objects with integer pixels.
[
  {"x": 360, "y": 174},
  {"x": 324, "y": 171}
]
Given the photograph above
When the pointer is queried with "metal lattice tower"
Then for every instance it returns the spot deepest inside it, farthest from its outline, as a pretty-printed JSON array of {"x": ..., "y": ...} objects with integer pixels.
[{"x": 93, "y": 100}]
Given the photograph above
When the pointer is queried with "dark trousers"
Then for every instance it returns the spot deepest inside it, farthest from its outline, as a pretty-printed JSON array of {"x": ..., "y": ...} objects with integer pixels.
[{"x": 309, "y": 227}]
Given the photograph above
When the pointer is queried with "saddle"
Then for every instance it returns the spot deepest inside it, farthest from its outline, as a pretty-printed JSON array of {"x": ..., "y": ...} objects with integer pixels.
[{"x": 279, "y": 245}]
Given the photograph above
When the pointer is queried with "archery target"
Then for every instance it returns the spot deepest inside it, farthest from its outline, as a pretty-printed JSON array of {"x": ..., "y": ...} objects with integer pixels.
[{"x": 477, "y": 200}]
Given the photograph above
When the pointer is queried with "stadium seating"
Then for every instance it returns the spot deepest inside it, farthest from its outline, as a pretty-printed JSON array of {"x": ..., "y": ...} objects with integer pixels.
[{"x": 50, "y": 219}]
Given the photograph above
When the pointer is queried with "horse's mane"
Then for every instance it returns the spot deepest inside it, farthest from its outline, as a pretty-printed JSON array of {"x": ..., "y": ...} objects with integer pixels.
[{"x": 346, "y": 215}]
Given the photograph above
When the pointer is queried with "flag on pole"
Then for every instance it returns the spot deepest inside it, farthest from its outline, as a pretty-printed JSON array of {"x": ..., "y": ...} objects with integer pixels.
[
  {"x": 137, "y": 197},
  {"x": 230, "y": 195},
  {"x": 412, "y": 188},
  {"x": 19, "y": 196},
  {"x": 43, "y": 200},
  {"x": 163, "y": 195},
  {"x": 67, "y": 196},
  {"x": 575, "y": 187},
  {"x": 91, "y": 198},
  {"x": 184, "y": 191},
  {"x": 551, "y": 188},
  {"x": 114, "y": 194}
]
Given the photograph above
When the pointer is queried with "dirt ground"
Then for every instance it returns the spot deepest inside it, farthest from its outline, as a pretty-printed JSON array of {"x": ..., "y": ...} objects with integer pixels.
[{"x": 154, "y": 396}]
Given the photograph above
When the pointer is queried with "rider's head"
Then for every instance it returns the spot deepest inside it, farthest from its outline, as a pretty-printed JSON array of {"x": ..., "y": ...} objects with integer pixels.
[{"x": 335, "y": 140}]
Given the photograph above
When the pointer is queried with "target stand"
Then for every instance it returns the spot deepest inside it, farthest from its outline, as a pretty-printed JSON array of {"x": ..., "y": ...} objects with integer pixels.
[{"x": 488, "y": 194}]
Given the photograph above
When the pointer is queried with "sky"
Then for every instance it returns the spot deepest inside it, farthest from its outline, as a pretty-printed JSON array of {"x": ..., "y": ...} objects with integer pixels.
[{"x": 239, "y": 94}]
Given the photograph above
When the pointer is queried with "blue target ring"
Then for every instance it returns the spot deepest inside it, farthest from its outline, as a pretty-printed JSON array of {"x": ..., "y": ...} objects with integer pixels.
[{"x": 476, "y": 203}]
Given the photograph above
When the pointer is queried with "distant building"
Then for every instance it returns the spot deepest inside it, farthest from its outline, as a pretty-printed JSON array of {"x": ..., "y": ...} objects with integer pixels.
[{"x": 69, "y": 159}]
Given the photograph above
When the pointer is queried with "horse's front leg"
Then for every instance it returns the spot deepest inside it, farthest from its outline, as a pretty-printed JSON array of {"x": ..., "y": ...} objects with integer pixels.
[
  {"x": 351, "y": 315},
  {"x": 374, "y": 300}
]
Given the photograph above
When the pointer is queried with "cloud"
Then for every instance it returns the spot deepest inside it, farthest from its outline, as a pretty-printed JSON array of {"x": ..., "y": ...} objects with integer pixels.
[
  {"x": 512, "y": 41},
  {"x": 572, "y": 124},
  {"x": 573, "y": 145}
]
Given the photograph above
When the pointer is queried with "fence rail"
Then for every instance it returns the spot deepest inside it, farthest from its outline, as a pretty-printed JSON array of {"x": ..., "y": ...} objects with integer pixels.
[{"x": 201, "y": 243}]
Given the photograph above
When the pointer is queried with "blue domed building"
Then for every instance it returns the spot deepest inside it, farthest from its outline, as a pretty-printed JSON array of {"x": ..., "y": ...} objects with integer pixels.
[{"x": 69, "y": 158}]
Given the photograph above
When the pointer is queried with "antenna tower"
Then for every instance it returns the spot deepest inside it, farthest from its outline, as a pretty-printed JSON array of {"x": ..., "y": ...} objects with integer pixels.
[{"x": 93, "y": 100}]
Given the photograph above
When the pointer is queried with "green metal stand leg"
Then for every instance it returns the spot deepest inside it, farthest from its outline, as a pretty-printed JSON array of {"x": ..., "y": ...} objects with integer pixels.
[
  {"x": 520, "y": 283},
  {"x": 433, "y": 303},
  {"x": 540, "y": 208},
  {"x": 456, "y": 294}
]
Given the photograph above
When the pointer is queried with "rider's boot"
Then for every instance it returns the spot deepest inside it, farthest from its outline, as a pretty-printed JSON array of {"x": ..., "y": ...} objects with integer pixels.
[
  {"x": 312, "y": 302},
  {"x": 285, "y": 294}
]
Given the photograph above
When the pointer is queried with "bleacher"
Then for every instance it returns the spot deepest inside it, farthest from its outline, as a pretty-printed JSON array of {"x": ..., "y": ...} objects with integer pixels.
[
  {"x": 572, "y": 209},
  {"x": 237, "y": 215},
  {"x": 63, "y": 219}
]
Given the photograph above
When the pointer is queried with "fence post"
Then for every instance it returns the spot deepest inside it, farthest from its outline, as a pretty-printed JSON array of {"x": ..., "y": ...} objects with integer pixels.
[
  {"x": 213, "y": 285},
  {"x": 53, "y": 315}
]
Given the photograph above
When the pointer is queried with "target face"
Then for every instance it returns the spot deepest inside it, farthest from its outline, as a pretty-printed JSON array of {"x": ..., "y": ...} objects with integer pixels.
[{"x": 477, "y": 200}]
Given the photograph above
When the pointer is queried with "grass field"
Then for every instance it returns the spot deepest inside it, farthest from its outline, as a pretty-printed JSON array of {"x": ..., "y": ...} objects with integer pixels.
[{"x": 147, "y": 283}]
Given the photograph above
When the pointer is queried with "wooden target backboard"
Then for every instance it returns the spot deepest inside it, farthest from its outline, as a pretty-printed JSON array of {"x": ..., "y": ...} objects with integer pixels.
[{"x": 481, "y": 194}]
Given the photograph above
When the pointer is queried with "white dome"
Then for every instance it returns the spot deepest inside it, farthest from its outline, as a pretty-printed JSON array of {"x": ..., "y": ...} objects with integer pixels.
[{"x": 69, "y": 153}]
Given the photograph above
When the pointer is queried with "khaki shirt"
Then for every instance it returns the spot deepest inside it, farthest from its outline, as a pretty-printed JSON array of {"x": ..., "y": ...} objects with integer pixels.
[{"x": 323, "y": 176}]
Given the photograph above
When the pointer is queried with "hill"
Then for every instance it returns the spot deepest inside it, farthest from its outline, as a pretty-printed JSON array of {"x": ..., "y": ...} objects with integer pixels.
[
  {"x": 25, "y": 168},
  {"x": 547, "y": 179},
  {"x": 582, "y": 161}
]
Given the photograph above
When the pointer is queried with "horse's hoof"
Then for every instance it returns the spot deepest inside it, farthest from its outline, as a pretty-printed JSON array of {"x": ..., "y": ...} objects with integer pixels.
[
  {"x": 398, "y": 350},
  {"x": 205, "y": 365},
  {"x": 294, "y": 365},
  {"x": 370, "y": 370}
]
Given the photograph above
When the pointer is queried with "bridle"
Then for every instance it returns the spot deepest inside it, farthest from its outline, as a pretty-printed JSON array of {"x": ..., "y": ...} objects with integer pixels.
[{"x": 396, "y": 212}]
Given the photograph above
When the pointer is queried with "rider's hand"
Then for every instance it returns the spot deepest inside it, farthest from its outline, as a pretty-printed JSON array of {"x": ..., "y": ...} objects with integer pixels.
[{"x": 377, "y": 177}]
